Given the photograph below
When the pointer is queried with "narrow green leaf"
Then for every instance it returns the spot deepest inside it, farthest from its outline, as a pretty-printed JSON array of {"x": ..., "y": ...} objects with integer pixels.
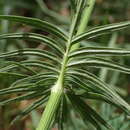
[
  {"x": 29, "y": 96},
  {"x": 16, "y": 65},
  {"x": 22, "y": 88},
  {"x": 28, "y": 87},
  {"x": 99, "y": 51},
  {"x": 103, "y": 87},
  {"x": 35, "y": 52},
  {"x": 98, "y": 96},
  {"x": 98, "y": 63},
  {"x": 84, "y": 115},
  {"x": 45, "y": 26},
  {"x": 29, "y": 63},
  {"x": 97, "y": 31},
  {"x": 78, "y": 82},
  {"x": 34, "y": 78},
  {"x": 13, "y": 74},
  {"x": 85, "y": 85},
  {"x": 49, "y": 81},
  {"x": 30, "y": 108},
  {"x": 42, "y": 64},
  {"x": 33, "y": 36},
  {"x": 87, "y": 113},
  {"x": 92, "y": 92}
]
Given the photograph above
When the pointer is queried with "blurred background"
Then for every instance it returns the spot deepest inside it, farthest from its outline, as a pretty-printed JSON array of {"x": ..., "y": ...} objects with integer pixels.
[{"x": 59, "y": 13}]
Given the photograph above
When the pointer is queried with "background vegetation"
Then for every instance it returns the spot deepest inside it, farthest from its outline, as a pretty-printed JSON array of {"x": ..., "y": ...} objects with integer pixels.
[{"x": 58, "y": 12}]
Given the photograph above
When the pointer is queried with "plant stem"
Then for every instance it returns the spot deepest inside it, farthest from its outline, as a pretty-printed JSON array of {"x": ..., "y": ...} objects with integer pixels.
[
  {"x": 86, "y": 16},
  {"x": 58, "y": 88},
  {"x": 49, "y": 113},
  {"x": 84, "y": 20}
]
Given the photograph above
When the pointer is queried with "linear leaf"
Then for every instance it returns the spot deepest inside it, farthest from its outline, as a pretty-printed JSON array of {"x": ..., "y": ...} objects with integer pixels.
[
  {"x": 98, "y": 96},
  {"x": 85, "y": 85},
  {"x": 103, "y": 87},
  {"x": 35, "y": 52},
  {"x": 85, "y": 116},
  {"x": 24, "y": 97},
  {"x": 78, "y": 82},
  {"x": 29, "y": 63},
  {"x": 92, "y": 92},
  {"x": 33, "y": 36},
  {"x": 50, "y": 81},
  {"x": 97, "y": 31},
  {"x": 28, "y": 87},
  {"x": 14, "y": 74},
  {"x": 16, "y": 65},
  {"x": 99, "y": 51},
  {"x": 98, "y": 63},
  {"x": 31, "y": 107},
  {"x": 34, "y": 78},
  {"x": 87, "y": 113},
  {"x": 22, "y": 88},
  {"x": 41, "y": 64},
  {"x": 43, "y": 25}
]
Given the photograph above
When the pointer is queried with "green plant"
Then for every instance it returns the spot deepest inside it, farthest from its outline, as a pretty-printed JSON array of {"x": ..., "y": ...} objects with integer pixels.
[
  {"x": 64, "y": 78},
  {"x": 118, "y": 121}
]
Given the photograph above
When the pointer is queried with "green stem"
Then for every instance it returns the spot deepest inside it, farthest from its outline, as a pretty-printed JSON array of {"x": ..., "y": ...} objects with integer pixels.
[
  {"x": 58, "y": 89},
  {"x": 84, "y": 20},
  {"x": 86, "y": 16},
  {"x": 49, "y": 113}
]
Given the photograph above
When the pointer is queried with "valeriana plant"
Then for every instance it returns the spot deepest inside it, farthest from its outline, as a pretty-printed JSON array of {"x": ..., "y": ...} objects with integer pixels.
[{"x": 65, "y": 78}]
